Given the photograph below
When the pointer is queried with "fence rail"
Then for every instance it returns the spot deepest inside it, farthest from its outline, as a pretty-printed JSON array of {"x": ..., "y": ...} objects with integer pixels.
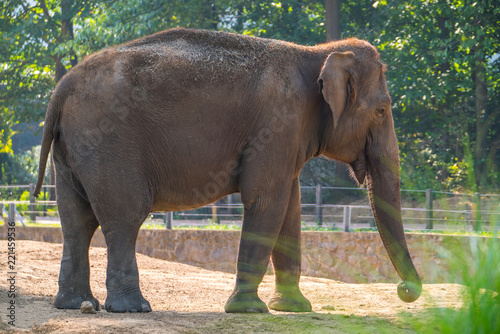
[{"x": 453, "y": 211}]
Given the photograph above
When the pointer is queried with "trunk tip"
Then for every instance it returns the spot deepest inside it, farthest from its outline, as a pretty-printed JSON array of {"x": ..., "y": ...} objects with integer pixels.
[{"x": 409, "y": 291}]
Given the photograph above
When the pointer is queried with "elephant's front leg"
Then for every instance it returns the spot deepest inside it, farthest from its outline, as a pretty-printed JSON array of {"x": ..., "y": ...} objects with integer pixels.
[
  {"x": 286, "y": 258},
  {"x": 262, "y": 221}
]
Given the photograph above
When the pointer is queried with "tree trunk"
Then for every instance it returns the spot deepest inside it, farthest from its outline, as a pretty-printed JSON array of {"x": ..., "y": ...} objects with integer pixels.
[
  {"x": 213, "y": 14},
  {"x": 60, "y": 70},
  {"x": 66, "y": 34},
  {"x": 481, "y": 95},
  {"x": 67, "y": 27},
  {"x": 332, "y": 18}
]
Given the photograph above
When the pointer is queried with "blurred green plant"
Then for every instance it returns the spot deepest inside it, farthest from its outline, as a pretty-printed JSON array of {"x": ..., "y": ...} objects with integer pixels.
[
  {"x": 216, "y": 227},
  {"x": 481, "y": 313},
  {"x": 25, "y": 196},
  {"x": 443, "y": 75},
  {"x": 442, "y": 59},
  {"x": 478, "y": 269},
  {"x": 20, "y": 169}
]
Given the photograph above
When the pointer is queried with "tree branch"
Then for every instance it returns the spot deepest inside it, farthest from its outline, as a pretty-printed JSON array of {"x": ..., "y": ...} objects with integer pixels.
[
  {"x": 45, "y": 10},
  {"x": 147, "y": 11},
  {"x": 43, "y": 6}
]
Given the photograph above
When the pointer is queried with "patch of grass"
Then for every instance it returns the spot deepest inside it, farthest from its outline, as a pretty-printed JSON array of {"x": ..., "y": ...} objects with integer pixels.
[
  {"x": 314, "y": 228},
  {"x": 299, "y": 323},
  {"x": 217, "y": 227},
  {"x": 318, "y": 228},
  {"x": 29, "y": 223},
  {"x": 469, "y": 233},
  {"x": 478, "y": 268}
]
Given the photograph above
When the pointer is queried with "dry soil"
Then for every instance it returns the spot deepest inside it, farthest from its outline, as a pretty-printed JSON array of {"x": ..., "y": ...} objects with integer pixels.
[{"x": 187, "y": 299}]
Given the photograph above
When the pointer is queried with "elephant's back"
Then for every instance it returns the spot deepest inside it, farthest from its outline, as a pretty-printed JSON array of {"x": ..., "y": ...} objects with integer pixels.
[
  {"x": 212, "y": 41},
  {"x": 176, "y": 84}
]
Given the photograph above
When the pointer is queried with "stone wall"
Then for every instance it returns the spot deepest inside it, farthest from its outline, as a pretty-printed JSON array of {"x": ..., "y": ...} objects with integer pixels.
[{"x": 349, "y": 257}]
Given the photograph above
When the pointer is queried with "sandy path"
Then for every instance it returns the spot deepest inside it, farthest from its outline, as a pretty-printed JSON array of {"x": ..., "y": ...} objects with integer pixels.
[{"x": 188, "y": 299}]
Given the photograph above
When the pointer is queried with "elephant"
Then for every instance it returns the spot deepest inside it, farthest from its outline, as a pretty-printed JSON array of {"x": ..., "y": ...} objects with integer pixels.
[{"x": 183, "y": 117}]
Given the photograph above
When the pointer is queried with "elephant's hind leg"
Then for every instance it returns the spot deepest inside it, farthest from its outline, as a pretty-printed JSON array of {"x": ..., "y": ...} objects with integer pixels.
[
  {"x": 121, "y": 213},
  {"x": 78, "y": 224},
  {"x": 122, "y": 276}
]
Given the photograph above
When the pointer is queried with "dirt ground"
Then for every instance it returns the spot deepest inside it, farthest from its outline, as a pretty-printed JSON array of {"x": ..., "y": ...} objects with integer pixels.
[{"x": 187, "y": 299}]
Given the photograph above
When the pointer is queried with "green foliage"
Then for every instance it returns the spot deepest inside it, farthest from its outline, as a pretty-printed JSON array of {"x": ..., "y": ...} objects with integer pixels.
[
  {"x": 6, "y": 119},
  {"x": 300, "y": 21},
  {"x": 438, "y": 54},
  {"x": 434, "y": 51},
  {"x": 30, "y": 42},
  {"x": 482, "y": 314},
  {"x": 478, "y": 268},
  {"x": 481, "y": 310},
  {"x": 20, "y": 169},
  {"x": 315, "y": 228},
  {"x": 25, "y": 196},
  {"x": 320, "y": 228},
  {"x": 212, "y": 226}
]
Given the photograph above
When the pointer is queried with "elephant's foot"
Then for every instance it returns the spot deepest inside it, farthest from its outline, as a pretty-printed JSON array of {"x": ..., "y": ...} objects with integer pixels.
[
  {"x": 289, "y": 300},
  {"x": 245, "y": 302},
  {"x": 120, "y": 303},
  {"x": 68, "y": 299}
]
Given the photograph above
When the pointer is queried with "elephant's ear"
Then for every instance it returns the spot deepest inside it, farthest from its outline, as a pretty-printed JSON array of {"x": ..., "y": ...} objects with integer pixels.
[{"x": 337, "y": 82}]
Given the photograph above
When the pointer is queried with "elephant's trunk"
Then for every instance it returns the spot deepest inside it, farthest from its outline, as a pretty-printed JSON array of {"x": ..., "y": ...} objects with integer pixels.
[{"x": 385, "y": 200}]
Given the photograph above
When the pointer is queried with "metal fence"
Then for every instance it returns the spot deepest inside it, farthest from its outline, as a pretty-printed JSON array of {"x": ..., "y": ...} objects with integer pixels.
[{"x": 328, "y": 207}]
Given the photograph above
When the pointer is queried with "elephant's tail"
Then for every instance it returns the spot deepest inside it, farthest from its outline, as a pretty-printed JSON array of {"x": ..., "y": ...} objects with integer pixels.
[{"x": 49, "y": 129}]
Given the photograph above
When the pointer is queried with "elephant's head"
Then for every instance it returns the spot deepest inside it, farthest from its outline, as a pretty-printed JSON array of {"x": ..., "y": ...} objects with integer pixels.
[{"x": 362, "y": 135}]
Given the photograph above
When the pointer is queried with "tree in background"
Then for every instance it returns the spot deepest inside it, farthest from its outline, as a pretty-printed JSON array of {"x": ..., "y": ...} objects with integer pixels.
[
  {"x": 37, "y": 50},
  {"x": 444, "y": 72},
  {"x": 42, "y": 40},
  {"x": 332, "y": 20},
  {"x": 444, "y": 77}
]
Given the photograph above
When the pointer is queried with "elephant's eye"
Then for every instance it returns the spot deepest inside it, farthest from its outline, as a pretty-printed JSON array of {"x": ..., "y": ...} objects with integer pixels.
[{"x": 380, "y": 112}]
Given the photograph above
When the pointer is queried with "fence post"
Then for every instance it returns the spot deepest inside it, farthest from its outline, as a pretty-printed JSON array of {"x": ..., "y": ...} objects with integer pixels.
[
  {"x": 215, "y": 218},
  {"x": 32, "y": 202},
  {"x": 45, "y": 198},
  {"x": 167, "y": 219},
  {"x": 319, "y": 209},
  {"x": 428, "y": 207},
  {"x": 20, "y": 218},
  {"x": 2, "y": 206},
  {"x": 476, "y": 211},
  {"x": 12, "y": 213},
  {"x": 372, "y": 221},
  {"x": 347, "y": 218},
  {"x": 230, "y": 207}
]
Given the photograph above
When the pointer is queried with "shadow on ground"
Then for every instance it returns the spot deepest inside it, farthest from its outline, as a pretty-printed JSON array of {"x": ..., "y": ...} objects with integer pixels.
[{"x": 44, "y": 318}]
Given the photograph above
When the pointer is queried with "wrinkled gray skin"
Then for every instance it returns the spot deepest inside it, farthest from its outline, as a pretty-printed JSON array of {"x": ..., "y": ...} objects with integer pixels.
[{"x": 179, "y": 119}]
